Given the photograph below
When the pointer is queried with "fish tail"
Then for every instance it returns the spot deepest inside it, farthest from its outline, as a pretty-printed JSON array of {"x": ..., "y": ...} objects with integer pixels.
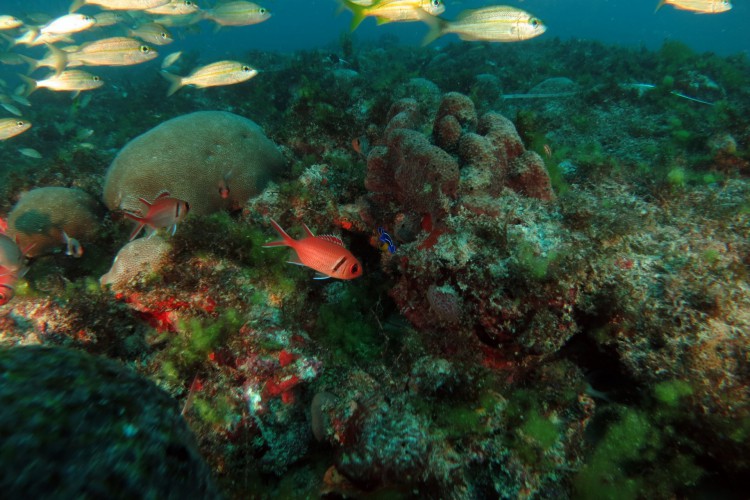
[
  {"x": 437, "y": 26},
  {"x": 175, "y": 82},
  {"x": 358, "y": 11},
  {"x": 286, "y": 241},
  {"x": 660, "y": 5},
  {"x": 33, "y": 63},
  {"x": 60, "y": 57},
  {"x": 32, "y": 85},
  {"x": 77, "y": 4},
  {"x": 140, "y": 224},
  {"x": 136, "y": 230},
  {"x": 11, "y": 41}
]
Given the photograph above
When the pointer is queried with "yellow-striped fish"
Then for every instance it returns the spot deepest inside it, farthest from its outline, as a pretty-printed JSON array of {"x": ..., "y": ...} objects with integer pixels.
[
  {"x": 238, "y": 13},
  {"x": 119, "y": 4},
  {"x": 9, "y": 22},
  {"x": 115, "y": 51},
  {"x": 72, "y": 80},
  {"x": 10, "y": 127},
  {"x": 69, "y": 23},
  {"x": 152, "y": 33},
  {"x": 110, "y": 18},
  {"x": 498, "y": 23},
  {"x": 170, "y": 59},
  {"x": 386, "y": 11},
  {"x": 698, "y": 6},
  {"x": 175, "y": 8},
  {"x": 211, "y": 75}
]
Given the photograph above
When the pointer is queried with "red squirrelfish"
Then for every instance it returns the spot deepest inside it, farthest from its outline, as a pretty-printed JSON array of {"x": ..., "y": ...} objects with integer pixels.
[
  {"x": 7, "y": 285},
  {"x": 325, "y": 254},
  {"x": 165, "y": 211}
]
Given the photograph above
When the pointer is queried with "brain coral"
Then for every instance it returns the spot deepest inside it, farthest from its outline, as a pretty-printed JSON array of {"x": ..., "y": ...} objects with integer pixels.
[
  {"x": 80, "y": 426},
  {"x": 212, "y": 159},
  {"x": 41, "y": 215}
]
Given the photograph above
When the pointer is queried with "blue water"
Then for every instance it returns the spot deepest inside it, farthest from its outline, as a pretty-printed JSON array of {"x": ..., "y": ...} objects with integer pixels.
[{"x": 310, "y": 24}]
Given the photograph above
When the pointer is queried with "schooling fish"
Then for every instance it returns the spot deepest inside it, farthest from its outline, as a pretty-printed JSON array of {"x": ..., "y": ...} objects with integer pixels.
[
  {"x": 239, "y": 13},
  {"x": 69, "y": 23},
  {"x": 325, "y": 254},
  {"x": 10, "y": 127},
  {"x": 698, "y": 6},
  {"x": 119, "y": 4},
  {"x": 492, "y": 24},
  {"x": 211, "y": 75},
  {"x": 9, "y": 22},
  {"x": 386, "y": 11},
  {"x": 72, "y": 80},
  {"x": 164, "y": 212}
]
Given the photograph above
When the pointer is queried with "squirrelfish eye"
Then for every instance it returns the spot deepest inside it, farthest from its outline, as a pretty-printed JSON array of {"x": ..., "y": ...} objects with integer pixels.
[{"x": 355, "y": 268}]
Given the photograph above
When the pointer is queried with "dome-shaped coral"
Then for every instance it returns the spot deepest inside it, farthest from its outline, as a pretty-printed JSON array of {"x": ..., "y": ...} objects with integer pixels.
[
  {"x": 41, "y": 216},
  {"x": 141, "y": 255},
  {"x": 211, "y": 159}
]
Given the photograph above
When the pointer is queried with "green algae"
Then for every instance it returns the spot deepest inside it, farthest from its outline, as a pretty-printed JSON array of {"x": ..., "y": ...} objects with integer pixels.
[
  {"x": 349, "y": 326},
  {"x": 196, "y": 338},
  {"x": 671, "y": 392}
]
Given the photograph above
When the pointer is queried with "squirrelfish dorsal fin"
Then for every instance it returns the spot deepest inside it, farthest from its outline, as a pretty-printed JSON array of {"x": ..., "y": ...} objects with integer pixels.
[{"x": 332, "y": 239}]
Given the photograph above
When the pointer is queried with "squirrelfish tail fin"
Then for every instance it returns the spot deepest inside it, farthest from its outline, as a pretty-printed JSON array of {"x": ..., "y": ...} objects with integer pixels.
[
  {"x": 286, "y": 241},
  {"x": 136, "y": 230}
]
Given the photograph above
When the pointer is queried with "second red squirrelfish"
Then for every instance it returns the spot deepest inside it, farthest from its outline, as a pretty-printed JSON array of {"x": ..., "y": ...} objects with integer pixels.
[
  {"x": 326, "y": 254},
  {"x": 165, "y": 211}
]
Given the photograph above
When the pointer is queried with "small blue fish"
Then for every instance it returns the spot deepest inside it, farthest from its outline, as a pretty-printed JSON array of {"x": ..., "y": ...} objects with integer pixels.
[{"x": 386, "y": 240}]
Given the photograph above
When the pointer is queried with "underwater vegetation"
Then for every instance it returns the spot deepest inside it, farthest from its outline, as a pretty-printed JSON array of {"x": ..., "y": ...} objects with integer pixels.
[{"x": 559, "y": 310}]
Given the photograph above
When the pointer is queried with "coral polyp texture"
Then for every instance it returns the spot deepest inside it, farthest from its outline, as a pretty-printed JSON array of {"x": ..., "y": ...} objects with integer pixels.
[
  {"x": 100, "y": 423},
  {"x": 42, "y": 215},
  {"x": 467, "y": 205},
  {"x": 143, "y": 255},
  {"x": 214, "y": 160}
]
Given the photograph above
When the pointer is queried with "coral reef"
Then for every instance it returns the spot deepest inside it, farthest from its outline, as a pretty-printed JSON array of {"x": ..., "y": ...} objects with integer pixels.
[
  {"x": 144, "y": 255},
  {"x": 41, "y": 216},
  {"x": 220, "y": 167},
  {"x": 563, "y": 312},
  {"x": 456, "y": 206},
  {"x": 76, "y": 425}
]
